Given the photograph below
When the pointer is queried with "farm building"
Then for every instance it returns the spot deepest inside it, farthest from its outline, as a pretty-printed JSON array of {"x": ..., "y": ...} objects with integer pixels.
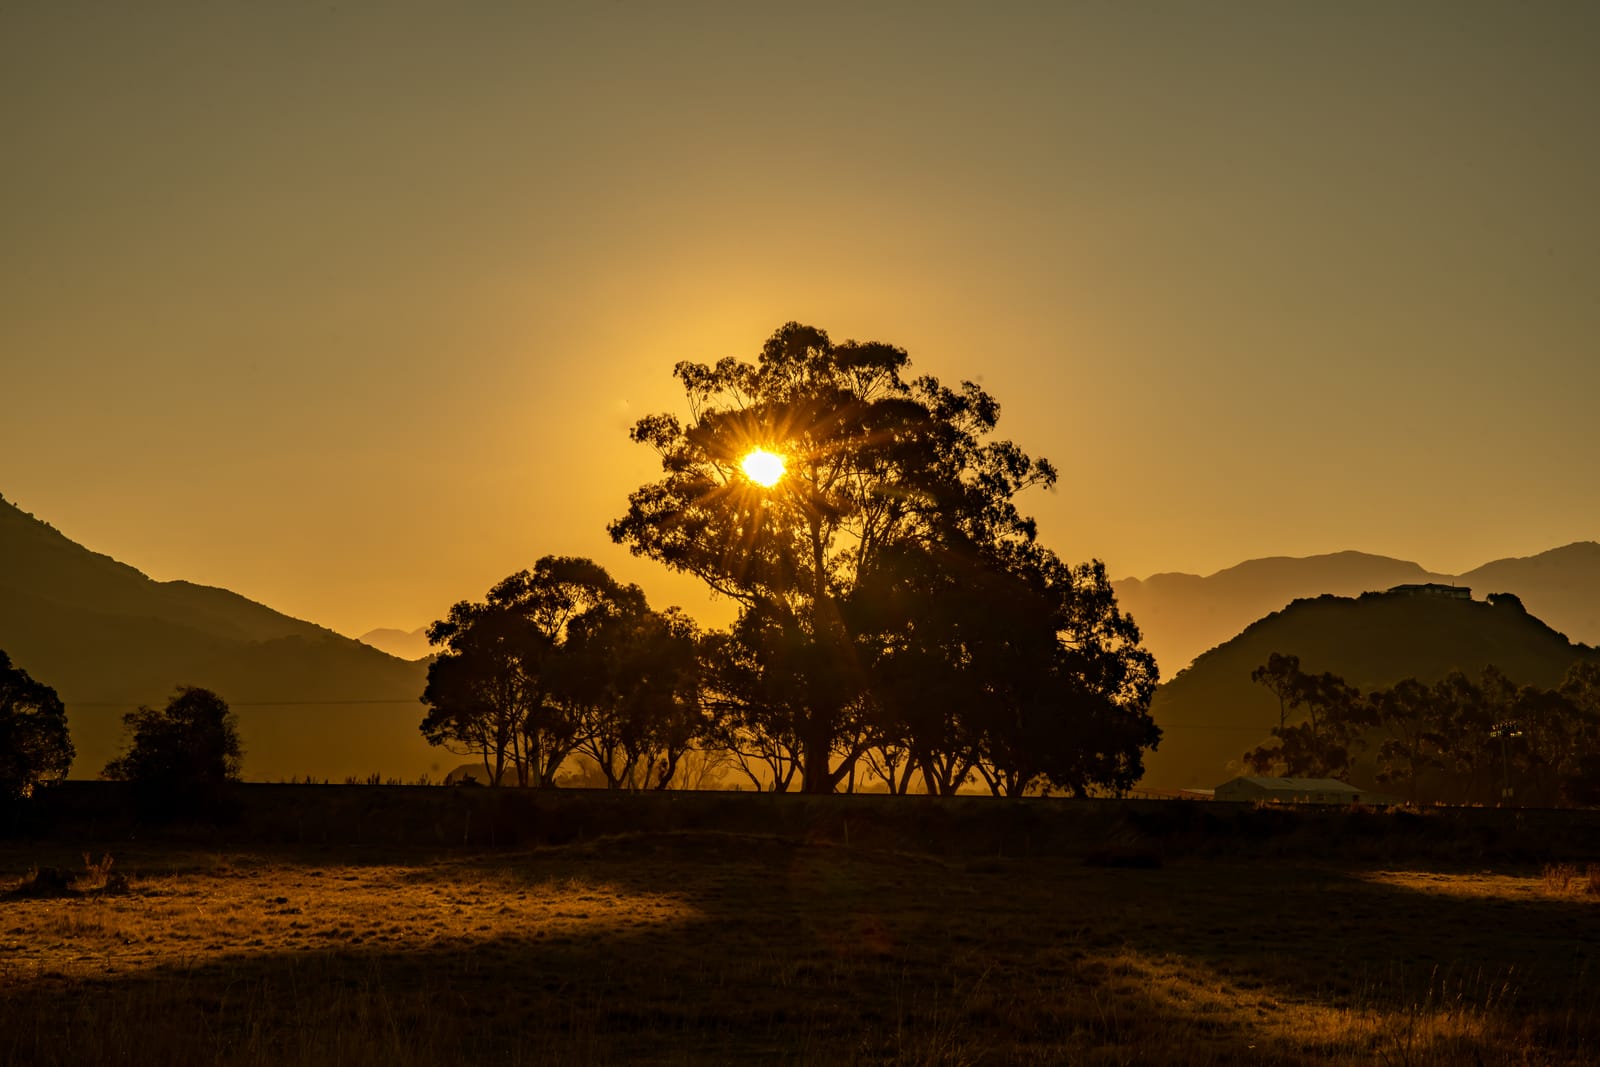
[{"x": 1296, "y": 791}]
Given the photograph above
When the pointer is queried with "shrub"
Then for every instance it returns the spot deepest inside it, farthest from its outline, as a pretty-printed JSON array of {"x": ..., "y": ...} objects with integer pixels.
[{"x": 181, "y": 757}]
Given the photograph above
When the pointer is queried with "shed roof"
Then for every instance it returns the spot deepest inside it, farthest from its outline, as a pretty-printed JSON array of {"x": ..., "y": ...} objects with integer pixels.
[{"x": 1296, "y": 785}]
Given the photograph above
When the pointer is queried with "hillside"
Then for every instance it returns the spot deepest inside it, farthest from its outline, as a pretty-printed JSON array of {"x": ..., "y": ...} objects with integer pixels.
[
  {"x": 107, "y": 638},
  {"x": 1182, "y": 615},
  {"x": 1212, "y": 713}
]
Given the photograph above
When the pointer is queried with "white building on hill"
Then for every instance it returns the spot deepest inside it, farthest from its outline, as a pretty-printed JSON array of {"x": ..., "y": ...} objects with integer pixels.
[{"x": 1448, "y": 592}]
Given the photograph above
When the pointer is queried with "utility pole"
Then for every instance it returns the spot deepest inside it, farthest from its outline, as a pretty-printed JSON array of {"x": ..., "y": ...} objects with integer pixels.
[{"x": 1505, "y": 731}]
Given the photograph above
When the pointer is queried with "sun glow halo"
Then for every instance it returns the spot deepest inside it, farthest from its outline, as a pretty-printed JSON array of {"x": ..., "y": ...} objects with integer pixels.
[{"x": 763, "y": 467}]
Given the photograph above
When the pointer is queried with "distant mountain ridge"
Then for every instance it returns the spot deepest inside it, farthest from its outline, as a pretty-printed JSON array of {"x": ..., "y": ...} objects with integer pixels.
[
  {"x": 411, "y": 645},
  {"x": 1182, "y": 615},
  {"x": 107, "y": 637},
  {"x": 1211, "y": 713},
  {"x": 1561, "y": 586}
]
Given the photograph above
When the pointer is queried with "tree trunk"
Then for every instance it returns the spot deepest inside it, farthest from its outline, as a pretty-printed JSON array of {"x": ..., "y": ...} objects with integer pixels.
[{"x": 818, "y": 753}]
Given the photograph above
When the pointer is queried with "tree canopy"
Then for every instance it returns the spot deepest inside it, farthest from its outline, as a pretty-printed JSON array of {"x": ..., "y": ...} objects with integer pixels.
[
  {"x": 559, "y": 659},
  {"x": 35, "y": 746},
  {"x": 893, "y": 495},
  {"x": 180, "y": 756}
]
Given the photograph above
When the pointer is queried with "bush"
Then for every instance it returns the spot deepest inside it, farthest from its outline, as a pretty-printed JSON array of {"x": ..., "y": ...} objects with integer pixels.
[{"x": 180, "y": 758}]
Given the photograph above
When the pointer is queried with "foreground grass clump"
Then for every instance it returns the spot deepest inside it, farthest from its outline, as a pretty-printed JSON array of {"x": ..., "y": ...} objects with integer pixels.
[
  {"x": 1563, "y": 878},
  {"x": 706, "y": 947},
  {"x": 96, "y": 877}
]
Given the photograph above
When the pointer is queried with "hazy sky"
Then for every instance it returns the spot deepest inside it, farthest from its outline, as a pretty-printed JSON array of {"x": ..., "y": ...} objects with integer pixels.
[{"x": 349, "y": 307}]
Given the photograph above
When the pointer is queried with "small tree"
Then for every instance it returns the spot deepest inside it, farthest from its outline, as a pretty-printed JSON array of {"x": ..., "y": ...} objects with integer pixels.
[
  {"x": 517, "y": 681},
  {"x": 631, "y": 678},
  {"x": 1281, "y": 675},
  {"x": 1410, "y": 715},
  {"x": 182, "y": 755},
  {"x": 34, "y": 744},
  {"x": 753, "y": 685},
  {"x": 1320, "y": 746},
  {"x": 484, "y": 684}
]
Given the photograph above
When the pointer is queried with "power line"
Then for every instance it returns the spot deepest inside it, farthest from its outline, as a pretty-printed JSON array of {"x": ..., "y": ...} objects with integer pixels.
[
  {"x": 413, "y": 701},
  {"x": 407, "y": 701},
  {"x": 1214, "y": 727}
]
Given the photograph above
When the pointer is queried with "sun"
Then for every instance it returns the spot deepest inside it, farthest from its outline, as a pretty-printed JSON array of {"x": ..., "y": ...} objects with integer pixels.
[{"x": 763, "y": 467}]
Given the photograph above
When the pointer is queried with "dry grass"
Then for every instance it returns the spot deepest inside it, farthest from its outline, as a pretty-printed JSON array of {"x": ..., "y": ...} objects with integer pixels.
[
  {"x": 1561, "y": 879},
  {"x": 723, "y": 948}
]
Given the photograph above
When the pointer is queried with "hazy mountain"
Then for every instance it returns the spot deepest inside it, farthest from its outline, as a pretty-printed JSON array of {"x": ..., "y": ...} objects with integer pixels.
[
  {"x": 1561, "y": 586},
  {"x": 1182, "y": 615},
  {"x": 1212, "y": 713},
  {"x": 108, "y": 638},
  {"x": 412, "y": 645}
]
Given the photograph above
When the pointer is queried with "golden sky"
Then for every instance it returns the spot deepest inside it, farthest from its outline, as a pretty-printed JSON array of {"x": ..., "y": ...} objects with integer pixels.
[{"x": 349, "y": 307}]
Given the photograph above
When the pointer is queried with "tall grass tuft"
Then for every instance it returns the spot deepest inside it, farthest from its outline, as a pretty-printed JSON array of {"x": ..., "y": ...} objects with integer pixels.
[{"x": 1559, "y": 877}]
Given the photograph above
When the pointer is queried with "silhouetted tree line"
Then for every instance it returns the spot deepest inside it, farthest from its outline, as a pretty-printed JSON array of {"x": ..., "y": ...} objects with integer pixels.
[
  {"x": 560, "y": 660},
  {"x": 1460, "y": 740},
  {"x": 178, "y": 758},
  {"x": 898, "y": 617}
]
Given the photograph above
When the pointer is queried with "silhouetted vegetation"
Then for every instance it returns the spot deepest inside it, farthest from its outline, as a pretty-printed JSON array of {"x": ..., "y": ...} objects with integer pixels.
[
  {"x": 1213, "y": 713},
  {"x": 180, "y": 757},
  {"x": 1459, "y": 740},
  {"x": 35, "y": 746},
  {"x": 560, "y": 659},
  {"x": 898, "y": 615},
  {"x": 1319, "y": 747}
]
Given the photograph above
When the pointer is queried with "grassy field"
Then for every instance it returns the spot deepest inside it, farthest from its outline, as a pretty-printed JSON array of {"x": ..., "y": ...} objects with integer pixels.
[{"x": 707, "y": 946}]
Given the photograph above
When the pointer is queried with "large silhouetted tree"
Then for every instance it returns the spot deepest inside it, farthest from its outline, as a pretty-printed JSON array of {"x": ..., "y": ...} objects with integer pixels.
[
  {"x": 35, "y": 746},
  {"x": 180, "y": 757},
  {"x": 877, "y": 463}
]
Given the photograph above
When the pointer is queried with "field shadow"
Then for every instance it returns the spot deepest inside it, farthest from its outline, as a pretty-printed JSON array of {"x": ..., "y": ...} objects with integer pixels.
[{"x": 711, "y": 947}]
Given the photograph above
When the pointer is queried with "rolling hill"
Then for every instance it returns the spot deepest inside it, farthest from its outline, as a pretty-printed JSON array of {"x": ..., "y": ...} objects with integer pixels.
[
  {"x": 1182, "y": 615},
  {"x": 107, "y": 638},
  {"x": 1212, "y": 713}
]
